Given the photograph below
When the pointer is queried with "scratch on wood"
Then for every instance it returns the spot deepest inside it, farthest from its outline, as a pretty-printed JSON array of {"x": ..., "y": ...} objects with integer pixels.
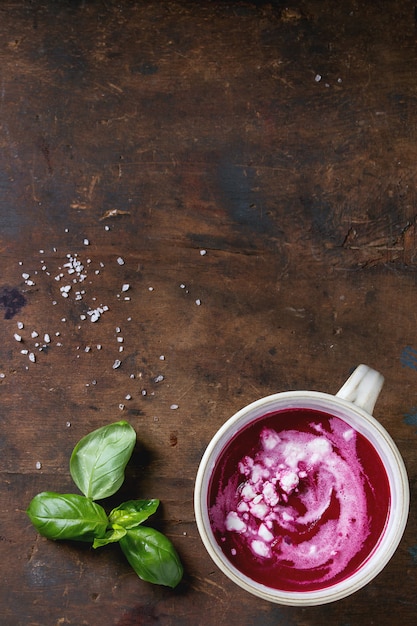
[{"x": 202, "y": 587}]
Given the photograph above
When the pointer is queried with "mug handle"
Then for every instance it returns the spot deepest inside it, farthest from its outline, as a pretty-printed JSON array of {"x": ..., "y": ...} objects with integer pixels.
[{"x": 362, "y": 388}]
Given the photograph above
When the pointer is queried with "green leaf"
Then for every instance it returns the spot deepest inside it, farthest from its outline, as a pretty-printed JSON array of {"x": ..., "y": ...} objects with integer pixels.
[
  {"x": 98, "y": 461},
  {"x": 132, "y": 513},
  {"x": 113, "y": 536},
  {"x": 67, "y": 516},
  {"x": 152, "y": 556}
]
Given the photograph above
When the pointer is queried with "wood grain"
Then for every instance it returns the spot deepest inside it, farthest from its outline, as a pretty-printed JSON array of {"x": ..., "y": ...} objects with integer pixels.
[{"x": 254, "y": 167}]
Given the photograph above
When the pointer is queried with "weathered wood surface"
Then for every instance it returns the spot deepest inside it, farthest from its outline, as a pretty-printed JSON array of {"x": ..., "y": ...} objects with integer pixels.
[{"x": 280, "y": 138}]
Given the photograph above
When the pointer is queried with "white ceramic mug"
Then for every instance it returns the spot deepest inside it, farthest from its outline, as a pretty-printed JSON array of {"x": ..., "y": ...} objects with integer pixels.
[{"x": 353, "y": 404}]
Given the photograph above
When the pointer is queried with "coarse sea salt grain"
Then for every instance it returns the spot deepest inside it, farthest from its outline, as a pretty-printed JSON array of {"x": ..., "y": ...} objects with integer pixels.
[
  {"x": 125, "y": 287},
  {"x": 38, "y": 465},
  {"x": 120, "y": 260},
  {"x": 116, "y": 364},
  {"x": 17, "y": 337}
]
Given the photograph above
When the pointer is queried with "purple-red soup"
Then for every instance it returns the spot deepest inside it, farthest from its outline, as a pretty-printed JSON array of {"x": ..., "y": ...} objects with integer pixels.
[{"x": 298, "y": 500}]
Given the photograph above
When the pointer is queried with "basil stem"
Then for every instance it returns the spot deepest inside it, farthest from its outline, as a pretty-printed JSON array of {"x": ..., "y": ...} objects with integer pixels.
[
  {"x": 152, "y": 556},
  {"x": 67, "y": 516},
  {"x": 99, "y": 459},
  {"x": 112, "y": 536}
]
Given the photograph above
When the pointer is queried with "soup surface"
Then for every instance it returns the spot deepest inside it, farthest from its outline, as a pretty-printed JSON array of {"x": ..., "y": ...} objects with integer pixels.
[{"x": 298, "y": 500}]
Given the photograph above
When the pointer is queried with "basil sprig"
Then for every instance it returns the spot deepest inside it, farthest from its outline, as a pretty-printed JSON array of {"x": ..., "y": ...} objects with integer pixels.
[{"x": 97, "y": 466}]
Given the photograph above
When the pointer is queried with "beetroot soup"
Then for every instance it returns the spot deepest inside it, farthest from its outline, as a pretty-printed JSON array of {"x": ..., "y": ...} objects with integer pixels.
[{"x": 298, "y": 500}]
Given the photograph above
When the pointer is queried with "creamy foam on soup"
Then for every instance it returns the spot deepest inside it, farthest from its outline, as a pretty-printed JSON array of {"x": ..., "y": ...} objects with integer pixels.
[{"x": 299, "y": 500}]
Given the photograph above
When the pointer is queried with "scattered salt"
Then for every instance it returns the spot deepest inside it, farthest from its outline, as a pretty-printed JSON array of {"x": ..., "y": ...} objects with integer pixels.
[
  {"x": 120, "y": 260},
  {"x": 17, "y": 337},
  {"x": 38, "y": 465},
  {"x": 116, "y": 364},
  {"x": 125, "y": 287},
  {"x": 174, "y": 407}
]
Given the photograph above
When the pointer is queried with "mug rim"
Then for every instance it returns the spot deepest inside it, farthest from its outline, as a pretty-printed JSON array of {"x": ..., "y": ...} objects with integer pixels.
[{"x": 385, "y": 447}]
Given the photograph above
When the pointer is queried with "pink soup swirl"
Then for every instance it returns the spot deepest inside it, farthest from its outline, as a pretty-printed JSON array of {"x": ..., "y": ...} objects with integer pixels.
[{"x": 300, "y": 502}]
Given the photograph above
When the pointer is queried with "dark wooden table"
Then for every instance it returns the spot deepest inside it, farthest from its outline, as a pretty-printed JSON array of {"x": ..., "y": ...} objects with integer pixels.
[{"x": 249, "y": 169}]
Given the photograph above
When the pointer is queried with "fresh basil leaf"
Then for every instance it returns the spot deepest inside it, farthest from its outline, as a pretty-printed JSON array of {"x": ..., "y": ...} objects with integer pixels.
[
  {"x": 132, "y": 513},
  {"x": 113, "y": 536},
  {"x": 152, "y": 556},
  {"x": 98, "y": 461},
  {"x": 67, "y": 516}
]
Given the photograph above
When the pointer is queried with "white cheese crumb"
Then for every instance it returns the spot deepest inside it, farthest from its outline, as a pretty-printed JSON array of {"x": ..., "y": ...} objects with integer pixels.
[{"x": 234, "y": 523}]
